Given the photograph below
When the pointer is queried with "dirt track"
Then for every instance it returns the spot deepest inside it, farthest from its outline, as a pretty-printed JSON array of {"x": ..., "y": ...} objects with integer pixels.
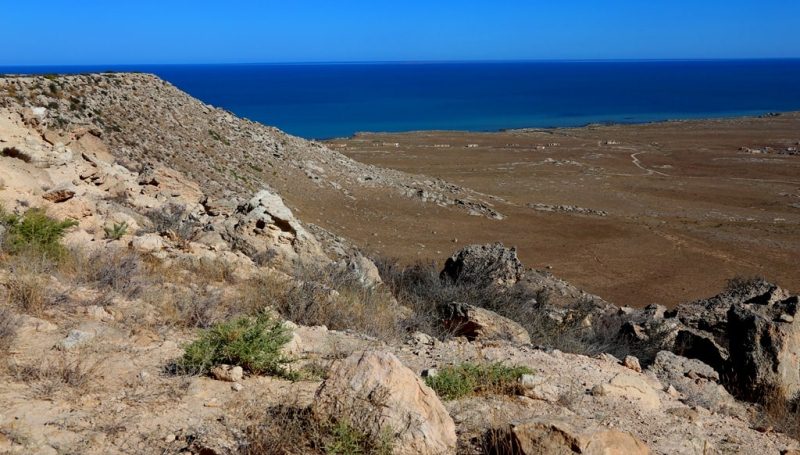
[{"x": 687, "y": 207}]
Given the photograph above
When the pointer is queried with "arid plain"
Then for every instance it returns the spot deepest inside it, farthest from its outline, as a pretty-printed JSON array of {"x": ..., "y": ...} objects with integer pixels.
[{"x": 662, "y": 212}]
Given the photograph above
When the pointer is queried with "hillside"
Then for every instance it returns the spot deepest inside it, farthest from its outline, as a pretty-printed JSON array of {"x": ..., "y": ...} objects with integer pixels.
[{"x": 158, "y": 296}]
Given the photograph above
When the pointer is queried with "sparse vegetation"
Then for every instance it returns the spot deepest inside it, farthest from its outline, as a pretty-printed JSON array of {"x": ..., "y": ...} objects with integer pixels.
[
  {"x": 173, "y": 220},
  {"x": 334, "y": 298},
  {"x": 218, "y": 137},
  {"x": 8, "y": 329},
  {"x": 35, "y": 232},
  {"x": 295, "y": 430},
  {"x": 254, "y": 343},
  {"x": 48, "y": 376},
  {"x": 454, "y": 382},
  {"x": 117, "y": 231}
]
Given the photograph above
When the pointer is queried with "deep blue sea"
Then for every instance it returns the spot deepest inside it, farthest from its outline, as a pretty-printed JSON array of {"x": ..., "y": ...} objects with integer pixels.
[{"x": 333, "y": 100}]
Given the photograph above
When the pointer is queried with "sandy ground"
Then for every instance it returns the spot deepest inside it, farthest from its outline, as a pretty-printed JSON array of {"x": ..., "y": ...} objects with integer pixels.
[{"x": 686, "y": 207}]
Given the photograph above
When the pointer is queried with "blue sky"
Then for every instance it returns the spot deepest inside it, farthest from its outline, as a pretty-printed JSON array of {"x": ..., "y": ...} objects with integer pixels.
[{"x": 202, "y": 31}]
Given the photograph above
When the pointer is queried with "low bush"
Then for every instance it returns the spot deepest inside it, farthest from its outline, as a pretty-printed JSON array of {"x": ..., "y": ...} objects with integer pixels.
[
  {"x": 51, "y": 375},
  {"x": 295, "y": 430},
  {"x": 466, "y": 379},
  {"x": 117, "y": 231},
  {"x": 254, "y": 343},
  {"x": 335, "y": 299},
  {"x": 35, "y": 232},
  {"x": 8, "y": 329},
  {"x": 27, "y": 291}
]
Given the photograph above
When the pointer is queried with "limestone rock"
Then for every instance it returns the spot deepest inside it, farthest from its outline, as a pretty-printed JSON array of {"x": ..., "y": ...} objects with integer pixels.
[
  {"x": 632, "y": 363},
  {"x": 363, "y": 269},
  {"x": 377, "y": 393},
  {"x": 554, "y": 436},
  {"x": 476, "y": 323},
  {"x": 75, "y": 338},
  {"x": 630, "y": 387},
  {"x": 698, "y": 382},
  {"x": 484, "y": 264},
  {"x": 765, "y": 349},
  {"x": 59, "y": 195},
  {"x": 267, "y": 231},
  {"x": 227, "y": 373}
]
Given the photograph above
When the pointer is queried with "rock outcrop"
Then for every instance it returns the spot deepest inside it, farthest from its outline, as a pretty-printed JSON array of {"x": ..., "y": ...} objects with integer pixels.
[
  {"x": 491, "y": 264},
  {"x": 377, "y": 392},
  {"x": 476, "y": 323},
  {"x": 553, "y": 436}
]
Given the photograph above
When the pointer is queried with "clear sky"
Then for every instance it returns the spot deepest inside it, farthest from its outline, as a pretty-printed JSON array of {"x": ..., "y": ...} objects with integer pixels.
[{"x": 202, "y": 31}]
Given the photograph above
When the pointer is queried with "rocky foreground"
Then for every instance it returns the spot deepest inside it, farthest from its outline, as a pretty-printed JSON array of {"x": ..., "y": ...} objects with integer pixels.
[{"x": 154, "y": 257}]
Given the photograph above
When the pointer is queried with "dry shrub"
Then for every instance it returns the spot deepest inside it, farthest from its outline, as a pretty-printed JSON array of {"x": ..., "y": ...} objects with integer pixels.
[
  {"x": 8, "y": 328},
  {"x": 774, "y": 412},
  {"x": 28, "y": 292},
  {"x": 206, "y": 270},
  {"x": 186, "y": 306},
  {"x": 296, "y": 430},
  {"x": 121, "y": 271},
  {"x": 335, "y": 299},
  {"x": 420, "y": 288},
  {"x": 49, "y": 376}
]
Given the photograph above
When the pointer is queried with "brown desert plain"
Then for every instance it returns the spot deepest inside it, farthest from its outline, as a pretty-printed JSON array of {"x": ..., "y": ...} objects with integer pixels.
[{"x": 638, "y": 214}]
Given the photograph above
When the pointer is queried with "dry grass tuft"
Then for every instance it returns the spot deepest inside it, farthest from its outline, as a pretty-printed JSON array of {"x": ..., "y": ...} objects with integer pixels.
[
  {"x": 335, "y": 299},
  {"x": 295, "y": 430},
  {"x": 49, "y": 376},
  {"x": 8, "y": 329}
]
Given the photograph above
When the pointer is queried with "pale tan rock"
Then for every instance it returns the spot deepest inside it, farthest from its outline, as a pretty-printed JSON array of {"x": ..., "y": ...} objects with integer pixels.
[
  {"x": 227, "y": 373},
  {"x": 393, "y": 397},
  {"x": 632, "y": 363},
  {"x": 630, "y": 387},
  {"x": 147, "y": 243},
  {"x": 480, "y": 324},
  {"x": 555, "y": 436}
]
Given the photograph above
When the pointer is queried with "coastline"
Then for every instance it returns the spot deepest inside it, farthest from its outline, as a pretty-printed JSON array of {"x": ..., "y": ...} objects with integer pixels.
[{"x": 593, "y": 125}]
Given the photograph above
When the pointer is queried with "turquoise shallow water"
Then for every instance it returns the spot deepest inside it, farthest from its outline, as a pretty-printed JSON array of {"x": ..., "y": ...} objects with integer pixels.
[{"x": 330, "y": 100}]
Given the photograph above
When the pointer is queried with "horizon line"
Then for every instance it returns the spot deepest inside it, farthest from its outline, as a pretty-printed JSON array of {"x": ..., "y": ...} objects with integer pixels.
[{"x": 417, "y": 62}]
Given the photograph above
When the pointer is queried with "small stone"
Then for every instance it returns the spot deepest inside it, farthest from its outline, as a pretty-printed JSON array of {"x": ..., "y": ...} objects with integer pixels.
[
  {"x": 608, "y": 358},
  {"x": 98, "y": 313},
  {"x": 237, "y": 387},
  {"x": 75, "y": 338},
  {"x": 632, "y": 363},
  {"x": 786, "y": 318},
  {"x": 227, "y": 373},
  {"x": 57, "y": 196},
  {"x": 671, "y": 391},
  {"x": 170, "y": 438},
  {"x": 144, "y": 376}
]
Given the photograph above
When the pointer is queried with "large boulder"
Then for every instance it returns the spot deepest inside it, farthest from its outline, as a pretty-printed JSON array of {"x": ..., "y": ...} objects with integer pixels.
[
  {"x": 554, "y": 436},
  {"x": 266, "y": 230},
  {"x": 765, "y": 347},
  {"x": 697, "y": 382},
  {"x": 483, "y": 265},
  {"x": 378, "y": 394},
  {"x": 480, "y": 324}
]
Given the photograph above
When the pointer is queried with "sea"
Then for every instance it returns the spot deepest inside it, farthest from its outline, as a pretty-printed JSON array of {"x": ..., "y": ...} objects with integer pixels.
[{"x": 321, "y": 101}]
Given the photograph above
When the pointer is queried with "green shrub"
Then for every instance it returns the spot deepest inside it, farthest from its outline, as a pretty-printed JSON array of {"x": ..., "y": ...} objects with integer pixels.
[
  {"x": 251, "y": 343},
  {"x": 345, "y": 439},
  {"x": 117, "y": 231},
  {"x": 467, "y": 379},
  {"x": 35, "y": 232}
]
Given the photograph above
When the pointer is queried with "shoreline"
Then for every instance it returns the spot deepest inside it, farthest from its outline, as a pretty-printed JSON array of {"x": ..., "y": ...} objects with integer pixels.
[{"x": 765, "y": 115}]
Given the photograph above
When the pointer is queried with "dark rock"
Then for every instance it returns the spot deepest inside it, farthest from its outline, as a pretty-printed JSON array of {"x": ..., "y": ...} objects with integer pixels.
[{"x": 484, "y": 265}]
